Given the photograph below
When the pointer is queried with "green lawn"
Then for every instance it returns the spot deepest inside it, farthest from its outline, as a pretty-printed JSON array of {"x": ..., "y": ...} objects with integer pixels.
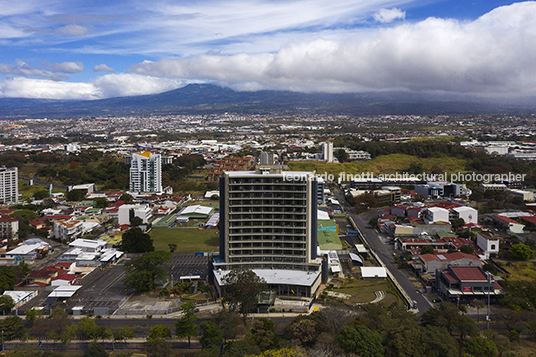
[{"x": 187, "y": 239}]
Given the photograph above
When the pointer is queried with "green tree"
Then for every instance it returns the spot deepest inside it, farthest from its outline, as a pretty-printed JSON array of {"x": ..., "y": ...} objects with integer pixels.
[
  {"x": 13, "y": 327},
  {"x": 521, "y": 251},
  {"x": 6, "y": 303},
  {"x": 87, "y": 329},
  {"x": 185, "y": 326},
  {"x": 160, "y": 347},
  {"x": 75, "y": 195},
  {"x": 125, "y": 197},
  {"x": 263, "y": 334},
  {"x": 101, "y": 202},
  {"x": 146, "y": 272},
  {"x": 367, "y": 199},
  {"x": 136, "y": 221},
  {"x": 480, "y": 347},
  {"x": 159, "y": 331},
  {"x": 531, "y": 329},
  {"x": 32, "y": 314},
  {"x": 457, "y": 223},
  {"x": 172, "y": 247},
  {"x": 341, "y": 155},
  {"x": 362, "y": 341},
  {"x": 230, "y": 324},
  {"x": 303, "y": 331},
  {"x": 135, "y": 241},
  {"x": 243, "y": 347},
  {"x": 241, "y": 290},
  {"x": 211, "y": 335},
  {"x": 95, "y": 349},
  {"x": 466, "y": 249},
  {"x": 41, "y": 194},
  {"x": 427, "y": 250}
]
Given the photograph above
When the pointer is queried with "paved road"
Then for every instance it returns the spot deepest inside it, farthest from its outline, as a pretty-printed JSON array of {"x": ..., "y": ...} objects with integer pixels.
[{"x": 384, "y": 253}]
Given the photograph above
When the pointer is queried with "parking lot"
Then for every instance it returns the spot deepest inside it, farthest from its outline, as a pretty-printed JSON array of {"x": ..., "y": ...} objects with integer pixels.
[{"x": 188, "y": 264}]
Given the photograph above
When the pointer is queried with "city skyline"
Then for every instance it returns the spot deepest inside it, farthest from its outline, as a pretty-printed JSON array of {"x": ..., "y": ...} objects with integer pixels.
[{"x": 97, "y": 50}]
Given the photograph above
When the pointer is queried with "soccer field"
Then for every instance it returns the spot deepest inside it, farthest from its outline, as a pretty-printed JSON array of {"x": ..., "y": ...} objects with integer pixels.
[{"x": 188, "y": 240}]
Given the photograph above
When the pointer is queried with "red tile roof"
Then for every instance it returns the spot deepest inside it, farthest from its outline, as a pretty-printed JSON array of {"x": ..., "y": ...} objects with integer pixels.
[
  {"x": 469, "y": 273},
  {"x": 504, "y": 220},
  {"x": 5, "y": 218},
  {"x": 530, "y": 219}
]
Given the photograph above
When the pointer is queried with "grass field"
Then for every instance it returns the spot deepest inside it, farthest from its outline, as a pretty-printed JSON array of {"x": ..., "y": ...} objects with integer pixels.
[
  {"x": 520, "y": 270},
  {"x": 362, "y": 291},
  {"x": 381, "y": 165},
  {"x": 28, "y": 191},
  {"x": 188, "y": 240}
]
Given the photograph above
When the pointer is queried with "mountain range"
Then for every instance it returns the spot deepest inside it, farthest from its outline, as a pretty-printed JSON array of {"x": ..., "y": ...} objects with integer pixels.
[{"x": 212, "y": 99}]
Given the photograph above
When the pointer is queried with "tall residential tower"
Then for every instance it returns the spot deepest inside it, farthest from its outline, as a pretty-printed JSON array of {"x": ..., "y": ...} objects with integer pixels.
[
  {"x": 9, "y": 185},
  {"x": 146, "y": 173}
]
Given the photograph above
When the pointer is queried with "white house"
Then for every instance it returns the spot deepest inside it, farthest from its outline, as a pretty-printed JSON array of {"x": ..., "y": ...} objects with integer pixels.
[
  {"x": 488, "y": 244},
  {"x": 469, "y": 214},
  {"x": 436, "y": 214},
  {"x": 126, "y": 212}
]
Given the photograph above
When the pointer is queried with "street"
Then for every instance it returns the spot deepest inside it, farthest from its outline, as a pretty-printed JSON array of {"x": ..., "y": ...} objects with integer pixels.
[{"x": 383, "y": 251}]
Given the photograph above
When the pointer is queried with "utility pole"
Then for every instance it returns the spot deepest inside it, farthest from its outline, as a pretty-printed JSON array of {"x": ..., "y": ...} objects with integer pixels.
[{"x": 489, "y": 295}]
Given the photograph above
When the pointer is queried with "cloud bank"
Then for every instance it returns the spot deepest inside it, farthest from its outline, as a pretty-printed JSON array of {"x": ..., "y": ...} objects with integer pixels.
[
  {"x": 494, "y": 54},
  {"x": 389, "y": 15}
]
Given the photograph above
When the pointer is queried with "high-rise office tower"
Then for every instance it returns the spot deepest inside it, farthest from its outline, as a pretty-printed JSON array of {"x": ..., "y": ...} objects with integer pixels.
[
  {"x": 268, "y": 223},
  {"x": 146, "y": 173}
]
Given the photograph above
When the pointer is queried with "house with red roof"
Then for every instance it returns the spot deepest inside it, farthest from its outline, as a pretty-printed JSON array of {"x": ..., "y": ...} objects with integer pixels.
[
  {"x": 464, "y": 284},
  {"x": 530, "y": 220},
  {"x": 432, "y": 262}
]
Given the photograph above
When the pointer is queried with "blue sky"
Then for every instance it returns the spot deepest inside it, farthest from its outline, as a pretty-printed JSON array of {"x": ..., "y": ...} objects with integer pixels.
[{"x": 99, "y": 49}]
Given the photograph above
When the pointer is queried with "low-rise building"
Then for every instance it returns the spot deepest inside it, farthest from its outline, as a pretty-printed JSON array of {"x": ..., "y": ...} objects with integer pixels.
[
  {"x": 9, "y": 227},
  {"x": 433, "y": 262},
  {"x": 463, "y": 284},
  {"x": 488, "y": 244},
  {"x": 127, "y": 212},
  {"x": 436, "y": 214},
  {"x": 67, "y": 231},
  {"x": 512, "y": 226},
  {"x": 468, "y": 214},
  {"x": 525, "y": 195}
]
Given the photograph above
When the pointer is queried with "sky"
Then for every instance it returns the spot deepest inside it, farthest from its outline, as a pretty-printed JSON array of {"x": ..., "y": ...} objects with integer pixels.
[{"x": 57, "y": 49}]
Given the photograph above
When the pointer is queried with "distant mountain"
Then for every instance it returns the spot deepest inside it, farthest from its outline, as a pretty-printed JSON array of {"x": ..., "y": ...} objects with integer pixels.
[{"x": 208, "y": 98}]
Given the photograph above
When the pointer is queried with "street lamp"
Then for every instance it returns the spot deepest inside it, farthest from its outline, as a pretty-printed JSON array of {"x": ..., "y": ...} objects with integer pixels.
[{"x": 489, "y": 295}]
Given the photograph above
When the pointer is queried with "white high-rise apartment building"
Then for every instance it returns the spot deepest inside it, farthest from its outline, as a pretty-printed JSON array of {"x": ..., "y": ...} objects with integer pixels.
[
  {"x": 146, "y": 173},
  {"x": 9, "y": 185}
]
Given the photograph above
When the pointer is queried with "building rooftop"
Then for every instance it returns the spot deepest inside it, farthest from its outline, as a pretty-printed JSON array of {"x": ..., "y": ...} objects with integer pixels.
[{"x": 277, "y": 276}]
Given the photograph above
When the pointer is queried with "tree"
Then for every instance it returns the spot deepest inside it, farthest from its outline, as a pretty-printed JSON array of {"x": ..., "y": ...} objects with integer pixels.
[
  {"x": 480, "y": 347},
  {"x": 75, "y": 195},
  {"x": 6, "y": 303},
  {"x": 185, "y": 326},
  {"x": 367, "y": 199},
  {"x": 211, "y": 335},
  {"x": 521, "y": 251},
  {"x": 87, "y": 328},
  {"x": 32, "y": 314},
  {"x": 41, "y": 194},
  {"x": 362, "y": 341},
  {"x": 159, "y": 331},
  {"x": 13, "y": 327},
  {"x": 147, "y": 271},
  {"x": 101, "y": 202},
  {"x": 136, "y": 221},
  {"x": 457, "y": 223},
  {"x": 466, "y": 249},
  {"x": 341, "y": 155},
  {"x": 242, "y": 287},
  {"x": 303, "y": 331},
  {"x": 95, "y": 349},
  {"x": 135, "y": 241},
  {"x": 55, "y": 326},
  {"x": 263, "y": 334},
  {"x": 427, "y": 250},
  {"x": 125, "y": 197},
  {"x": 172, "y": 247},
  {"x": 160, "y": 347},
  {"x": 230, "y": 324}
]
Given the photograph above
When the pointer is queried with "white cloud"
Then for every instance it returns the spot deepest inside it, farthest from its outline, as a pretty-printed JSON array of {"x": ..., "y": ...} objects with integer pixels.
[
  {"x": 389, "y": 15},
  {"x": 103, "y": 68},
  {"x": 493, "y": 54},
  {"x": 68, "y": 67},
  {"x": 72, "y": 30},
  {"x": 23, "y": 69},
  {"x": 110, "y": 85}
]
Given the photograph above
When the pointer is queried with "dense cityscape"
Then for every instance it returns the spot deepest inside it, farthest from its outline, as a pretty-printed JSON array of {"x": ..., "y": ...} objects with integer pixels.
[{"x": 159, "y": 234}]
